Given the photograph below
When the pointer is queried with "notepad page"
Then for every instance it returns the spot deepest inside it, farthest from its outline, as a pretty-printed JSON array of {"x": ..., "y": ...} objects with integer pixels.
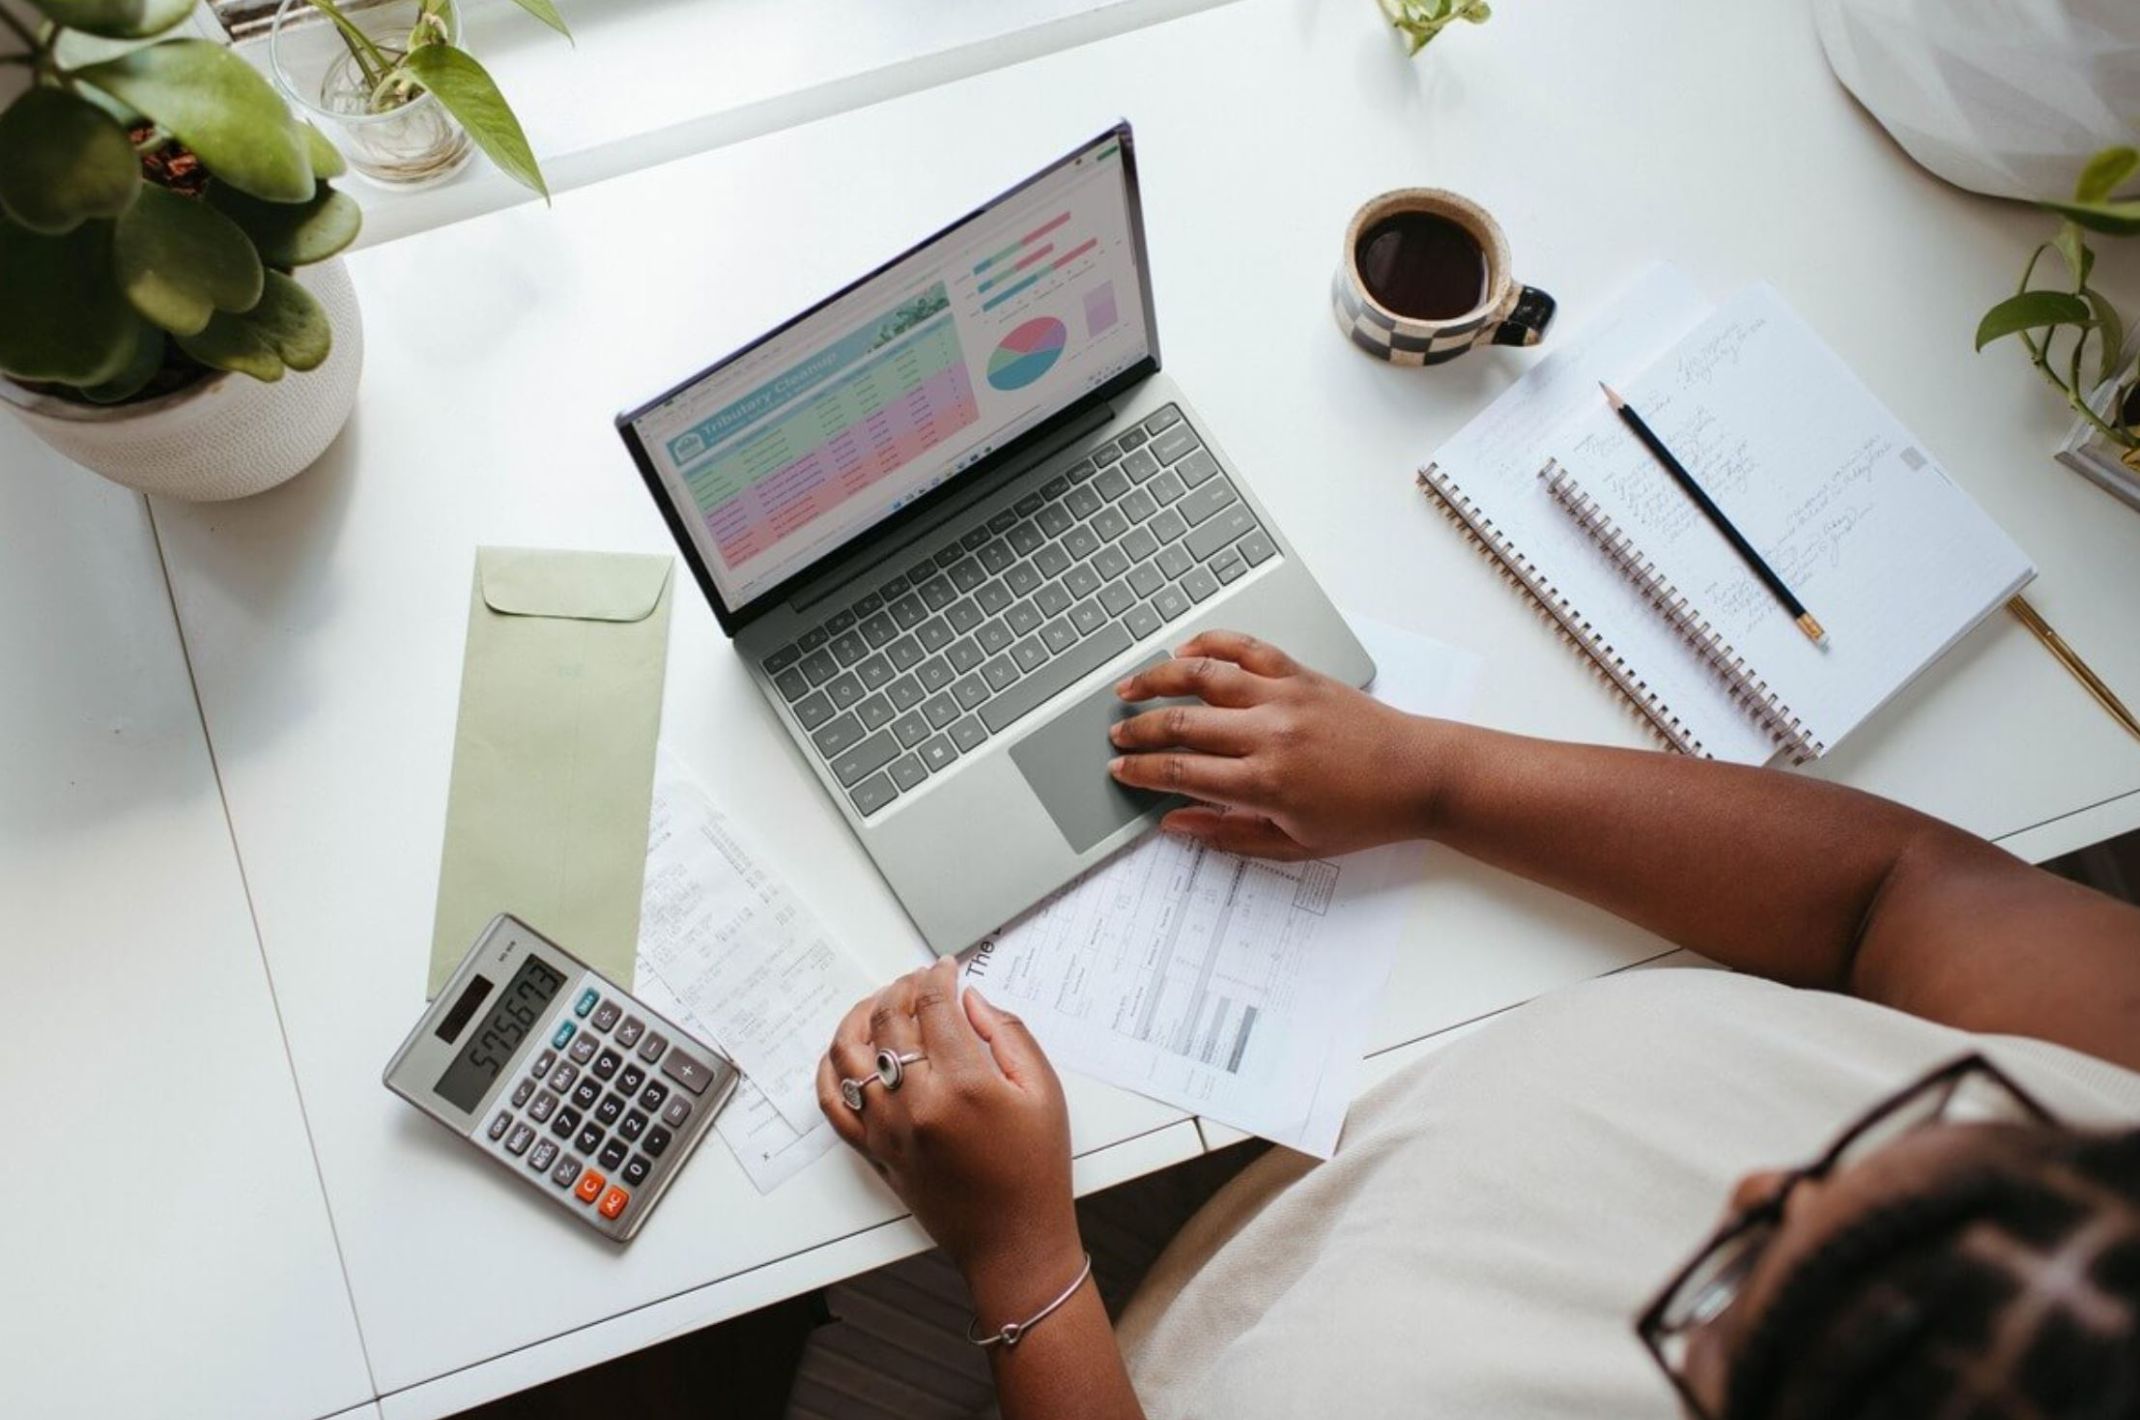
[
  {"x": 1495, "y": 459},
  {"x": 1856, "y": 517}
]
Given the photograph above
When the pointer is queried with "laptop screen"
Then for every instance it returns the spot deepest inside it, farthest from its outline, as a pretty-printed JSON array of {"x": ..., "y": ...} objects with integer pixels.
[{"x": 788, "y": 450}]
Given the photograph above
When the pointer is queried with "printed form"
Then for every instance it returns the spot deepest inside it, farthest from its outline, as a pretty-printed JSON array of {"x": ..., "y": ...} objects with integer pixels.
[
  {"x": 1234, "y": 988},
  {"x": 729, "y": 950}
]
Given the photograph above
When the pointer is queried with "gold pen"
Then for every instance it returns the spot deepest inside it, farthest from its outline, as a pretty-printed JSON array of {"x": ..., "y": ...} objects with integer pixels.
[{"x": 2069, "y": 658}]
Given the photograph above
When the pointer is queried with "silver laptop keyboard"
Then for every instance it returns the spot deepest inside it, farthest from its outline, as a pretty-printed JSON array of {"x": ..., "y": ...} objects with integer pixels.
[{"x": 976, "y": 635}]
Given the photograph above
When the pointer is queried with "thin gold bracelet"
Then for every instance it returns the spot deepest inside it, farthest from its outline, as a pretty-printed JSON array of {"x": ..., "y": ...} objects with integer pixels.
[{"x": 1011, "y": 1331}]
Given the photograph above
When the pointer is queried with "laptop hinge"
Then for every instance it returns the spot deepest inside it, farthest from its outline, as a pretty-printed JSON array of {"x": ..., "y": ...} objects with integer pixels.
[{"x": 872, "y": 557}]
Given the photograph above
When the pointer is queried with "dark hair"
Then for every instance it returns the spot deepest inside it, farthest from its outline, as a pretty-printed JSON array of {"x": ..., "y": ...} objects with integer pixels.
[{"x": 1909, "y": 1309}]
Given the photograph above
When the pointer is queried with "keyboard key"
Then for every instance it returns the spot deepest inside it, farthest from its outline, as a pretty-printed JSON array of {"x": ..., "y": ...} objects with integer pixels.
[
  {"x": 1081, "y": 542},
  {"x": 566, "y": 1173},
  {"x": 940, "y": 710},
  {"x": 1021, "y": 579},
  {"x": 1139, "y": 506},
  {"x": 1133, "y": 438},
  {"x": 935, "y": 634},
  {"x": 993, "y": 597},
  {"x": 875, "y": 712},
  {"x": 1165, "y": 417},
  {"x": 1054, "y": 487},
  {"x": 1083, "y": 502},
  {"x": 628, "y": 1034},
  {"x": 635, "y": 1172},
  {"x": 1003, "y": 521},
  {"x": 838, "y": 622},
  {"x": 1112, "y": 484},
  {"x": 964, "y": 616},
  {"x": 879, "y": 629},
  {"x": 837, "y": 735},
  {"x": 612, "y": 1154},
  {"x": 872, "y": 794},
  {"x": 1174, "y": 443},
  {"x": 1175, "y": 561},
  {"x": 503, "y": 1122},
  {"x": 516, "y": 1143},
  {"x": 921, "y": 571},
  {"x": 992, "y": 637},
  {"x": 542, "y": 1107},
  {"x": 566, "y": 1124},
  {"x": 1197, "y": 467},
  {"x": 973, "y": 538},
  {"x": 1023, "y": 619},
  {"x": 996, "y": 556},
  {"x": 1051, "y": 561},
  {"x": 586, "y": 1092},
  {"x": 689, "y": 1071},
  {"x": 865, "y": 758},
  {"x": 964, "y": 655},
  {"x": 1142, "y": 621},
  {"x": 970, "y": 691},
  {"x": 938, "y": 593},
  {"x": 605, "y": 1065},
  {"x": 1142, "y": 542},
  {"x": 1167, "y": 488},
  {"x": 1051, "y": 600},
  {"x": 910, "y": 729},
  {"x": 781, "y": 659},
  {"x": 875, "y": 671},
  {"x": 1228, "y": 566},
  {"x": 1200, "y": 584},
  {"x": 934, "y": 674},
  {"x": 810, "y": 640},
  {"x": 1170, "y": 603},
  {"x": 675, "y": 1112},
  {"x": 653, "y": 1095},
  {"x": 589, "y": 1138},
  {"x": 1167, "y": 526},
  {"x": 1085, "y": 657},
  {"x": 1258, "y": 549},
  {"x": 1059, "y": 634},
  {"x": 590, "y": 1186},
  {"x": 891, "y": 591},
  {"x": 849, "y": 648},
  {"x": 606, "y": 1016},
  {"x": 1055, "y": 520},
  {"x": 869, "y": 605},
  {"x": 1025, "y": 539},
  {"x": 820, "y": 667},
  {"x": 1079, "y": 471},
  {"x": 907, "y": 771},
  {"x": 1081, "y": 582},
  {"x": 1110, "y": 524},
  {"x": 813, "y": 709},
  {"x": 968, "y": 733},
  {"x": 949, "y": 556},
  {"x": 844, "y": 688},
  {"x": 1140, "y": 465},
  {"x": 609, "y": 1111},
  {"x": 1116, "y": 597},
  {"x": 1206, "y": 501},
  {"x": 998, "y": 673},
  {"x": 632, "y": 1078},
  {"x": 938, "y": 752},
  {"x": 1028, "y": 505},
  {"x": 613, "y": 1203},
  {"x": 544, "y": 1155},
  {"x": 908, "y": 611},
  {"x": 650, "y": 1049},
  {"x": 562, "y": 1077},
  {"x": 1222, "y": 528},
  {"x": 522, "y": 1092},
  {"x": 582, "y": 1050},
  {"x": 1030, "y": 654},
  {"x": 542, "y": 1064},
  {"x": 792, "y": 684},
  {"x": 1087, "y": 616}
]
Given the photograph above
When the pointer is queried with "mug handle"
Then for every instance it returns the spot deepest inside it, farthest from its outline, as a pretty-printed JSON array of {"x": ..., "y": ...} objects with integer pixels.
[{"x": 1526, "y": 322}]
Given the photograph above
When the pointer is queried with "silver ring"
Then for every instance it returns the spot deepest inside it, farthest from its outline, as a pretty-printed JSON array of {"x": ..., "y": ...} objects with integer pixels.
[
  {"x": 851, "y": 1091},
  {"x": 892, "y": 1066}
]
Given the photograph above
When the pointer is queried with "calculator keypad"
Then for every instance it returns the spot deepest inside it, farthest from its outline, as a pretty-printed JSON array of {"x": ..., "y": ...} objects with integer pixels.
[{"x": 588, "y": 1116}]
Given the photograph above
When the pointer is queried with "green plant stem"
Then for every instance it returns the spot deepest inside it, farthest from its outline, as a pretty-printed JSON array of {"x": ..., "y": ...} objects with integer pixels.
[
  {"x": 369, "y": 59},
  {"x": 2040, "y": 358}
]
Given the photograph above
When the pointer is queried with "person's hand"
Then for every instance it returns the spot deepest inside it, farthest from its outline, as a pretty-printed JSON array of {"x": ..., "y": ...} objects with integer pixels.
[
  {"x": 1291, "y": 764},
  {"x": 976, "y": 1139}
]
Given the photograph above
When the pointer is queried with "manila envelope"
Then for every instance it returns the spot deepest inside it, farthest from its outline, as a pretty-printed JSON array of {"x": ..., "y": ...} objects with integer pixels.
[{"x": 553, "y": 760}]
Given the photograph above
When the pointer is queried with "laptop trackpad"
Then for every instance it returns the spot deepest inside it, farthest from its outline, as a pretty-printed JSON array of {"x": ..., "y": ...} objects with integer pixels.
[{"x": 1066, "y": 764}]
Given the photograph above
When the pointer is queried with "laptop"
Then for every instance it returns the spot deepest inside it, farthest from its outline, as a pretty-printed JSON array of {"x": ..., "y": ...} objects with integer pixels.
[{"x": 944, "y": 510}]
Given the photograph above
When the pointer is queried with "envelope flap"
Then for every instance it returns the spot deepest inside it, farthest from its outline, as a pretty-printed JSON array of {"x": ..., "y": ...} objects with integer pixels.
[{"x": 584, "y": 586}]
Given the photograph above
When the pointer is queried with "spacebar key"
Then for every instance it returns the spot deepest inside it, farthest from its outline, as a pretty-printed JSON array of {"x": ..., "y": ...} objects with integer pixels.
[{"x": 1057, "y": 675}]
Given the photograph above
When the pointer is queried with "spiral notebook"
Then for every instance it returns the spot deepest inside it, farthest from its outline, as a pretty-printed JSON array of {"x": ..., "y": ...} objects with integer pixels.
[{"x": 1840, "y": 498}]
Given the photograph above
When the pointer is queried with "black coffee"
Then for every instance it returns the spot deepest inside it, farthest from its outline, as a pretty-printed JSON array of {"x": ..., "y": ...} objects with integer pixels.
[{"x": 1422, "y": 265}]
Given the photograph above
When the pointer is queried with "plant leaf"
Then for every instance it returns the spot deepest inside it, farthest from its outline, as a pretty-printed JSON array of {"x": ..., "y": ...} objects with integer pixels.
[
  {"x": 287, "y": 330},
  {"x": 546, "y": 11},
  {"x": 62, "y": 160},
  {"x": 327, "y": 160},
  {"x": 146, "y": 360},
  {"x": 2104, "y": 172},
  {"x": 180, "y": 261},
  {"x": 2029, "y": 310},
  {"x": 2117, "y": 219},
  {"x": 219, "y": 106},
  {"x": 2110, "y": 329},
  {"x": 293, "y": 233},
  {"x": 470, "y": 95},
  {"x": 66, "y": 319},
  {"x": 2074, "y": 248},
  {"x": 116, "y": 19}
]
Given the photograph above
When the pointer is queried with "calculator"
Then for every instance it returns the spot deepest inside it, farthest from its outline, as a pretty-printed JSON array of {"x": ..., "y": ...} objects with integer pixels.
[{"x": 562, "y": 1077}]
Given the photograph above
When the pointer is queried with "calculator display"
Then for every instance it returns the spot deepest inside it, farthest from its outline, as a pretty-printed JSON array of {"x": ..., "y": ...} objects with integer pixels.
[{"x": 519, "y": 1007}]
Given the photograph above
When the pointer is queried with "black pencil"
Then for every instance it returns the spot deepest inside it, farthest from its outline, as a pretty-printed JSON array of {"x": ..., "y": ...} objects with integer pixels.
[{"x": 1732, "y": 535}]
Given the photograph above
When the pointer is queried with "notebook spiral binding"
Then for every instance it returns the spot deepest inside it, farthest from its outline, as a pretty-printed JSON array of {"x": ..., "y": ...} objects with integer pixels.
[
  {"x": 1573, "y": 626},
  {"x": 1743, "y": 682}
]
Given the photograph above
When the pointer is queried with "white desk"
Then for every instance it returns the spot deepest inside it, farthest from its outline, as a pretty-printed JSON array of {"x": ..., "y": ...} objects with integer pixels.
[
  {"x": 166, "y": 1247},
  {"x": 325, "y": 619}
]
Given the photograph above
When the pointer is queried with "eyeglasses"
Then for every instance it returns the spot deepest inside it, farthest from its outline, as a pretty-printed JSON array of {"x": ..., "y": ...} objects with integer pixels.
[{"x": 1970, "y": 1089}]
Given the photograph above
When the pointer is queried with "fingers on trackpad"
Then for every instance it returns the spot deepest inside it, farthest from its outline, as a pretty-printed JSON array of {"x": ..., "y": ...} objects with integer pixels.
[{"x": 1066, "y": 765}]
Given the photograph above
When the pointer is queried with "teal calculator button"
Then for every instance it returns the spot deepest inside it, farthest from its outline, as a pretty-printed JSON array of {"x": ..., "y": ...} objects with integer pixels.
[
  {"x": 586, "y": 1001},
  {"x": 563, "y": 1037}
]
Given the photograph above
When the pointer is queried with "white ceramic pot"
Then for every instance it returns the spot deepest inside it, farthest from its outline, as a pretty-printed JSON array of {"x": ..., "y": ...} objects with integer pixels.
[{"x": 225, "y": 437}]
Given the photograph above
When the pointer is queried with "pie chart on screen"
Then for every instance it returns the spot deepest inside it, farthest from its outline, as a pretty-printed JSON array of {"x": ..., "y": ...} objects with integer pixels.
[{"x": 1027, "y": 353}]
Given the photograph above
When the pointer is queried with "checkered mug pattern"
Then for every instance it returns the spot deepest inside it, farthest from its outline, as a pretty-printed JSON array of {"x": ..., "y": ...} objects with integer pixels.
[{"x": 1509, "y": 312}]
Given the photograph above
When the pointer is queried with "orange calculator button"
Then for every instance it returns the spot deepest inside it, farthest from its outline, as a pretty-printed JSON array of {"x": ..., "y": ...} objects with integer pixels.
[
  {"x": 613, "y": 1202},
  {"x": 590, "y": 1187}
]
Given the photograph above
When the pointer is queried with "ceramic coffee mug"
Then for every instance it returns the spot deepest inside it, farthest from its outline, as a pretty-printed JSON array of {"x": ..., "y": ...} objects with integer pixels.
[{"x": 1425, "y": 277}]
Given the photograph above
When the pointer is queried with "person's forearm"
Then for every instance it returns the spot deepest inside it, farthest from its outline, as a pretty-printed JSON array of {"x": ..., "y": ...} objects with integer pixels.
[
  {"x": 1767, "y": 872},
  {"x": 1068, "y": 1366}
]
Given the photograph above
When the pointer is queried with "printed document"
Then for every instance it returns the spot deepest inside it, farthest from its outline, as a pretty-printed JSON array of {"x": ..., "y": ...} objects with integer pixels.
[{"x": 1234, "y": 988}]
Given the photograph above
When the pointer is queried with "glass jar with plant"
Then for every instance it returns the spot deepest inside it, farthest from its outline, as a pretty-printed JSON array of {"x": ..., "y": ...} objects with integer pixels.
[
  {"x": 2074, "y": 335},
  {"x": 389, "y": 80}
]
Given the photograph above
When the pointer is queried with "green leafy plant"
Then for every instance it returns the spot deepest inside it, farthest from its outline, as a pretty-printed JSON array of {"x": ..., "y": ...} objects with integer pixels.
[
  {"x": 1419, "y": 21},
  {"x": 2092, "y": 331},
  {"x": 429, "y": 62},
  {"x": 153, "y": 202}
]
